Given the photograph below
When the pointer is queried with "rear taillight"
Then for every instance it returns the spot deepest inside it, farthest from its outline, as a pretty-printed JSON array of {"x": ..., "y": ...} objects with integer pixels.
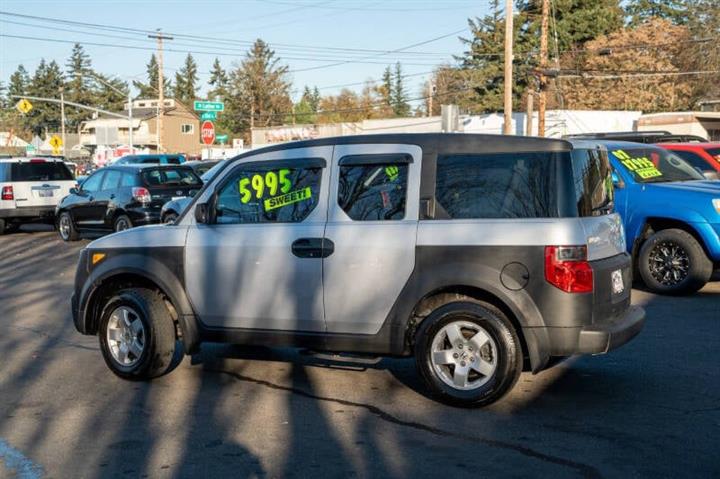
[
  {"x": 567, "y": 268},
  {"x": 141, "y": 194},
  {"x": 7, "y": 193}
]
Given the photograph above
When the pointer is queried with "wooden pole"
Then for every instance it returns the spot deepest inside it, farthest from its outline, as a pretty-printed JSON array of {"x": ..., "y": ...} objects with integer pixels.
[
  {"x": 529, "y": 127},
  {"x": 542, "y": 97},
  {"x": 508, "y": 87},
  {"x": 161, "y": 88}
]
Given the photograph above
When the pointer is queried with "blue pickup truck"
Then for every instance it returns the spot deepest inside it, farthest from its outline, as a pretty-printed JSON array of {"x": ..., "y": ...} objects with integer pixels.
[{"x": 671, "y": 215}]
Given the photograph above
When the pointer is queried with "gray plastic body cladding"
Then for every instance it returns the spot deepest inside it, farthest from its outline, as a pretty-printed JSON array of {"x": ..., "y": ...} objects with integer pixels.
[{"x": 162, "y": 265}]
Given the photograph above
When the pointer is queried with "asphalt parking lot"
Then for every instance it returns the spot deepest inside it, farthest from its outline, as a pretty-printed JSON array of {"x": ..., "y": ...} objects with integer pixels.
[{"x": 649, "y": 409}]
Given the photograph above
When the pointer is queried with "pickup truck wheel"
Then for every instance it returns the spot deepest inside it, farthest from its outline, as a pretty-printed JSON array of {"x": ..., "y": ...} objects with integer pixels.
[
  {"x": 673, "y": 262},
  {"x": 122, "y": 223},
  {"x": 66, "y": 228},
  {"x": 137, "y": 335},
  {"x": 468, "y": 353}
]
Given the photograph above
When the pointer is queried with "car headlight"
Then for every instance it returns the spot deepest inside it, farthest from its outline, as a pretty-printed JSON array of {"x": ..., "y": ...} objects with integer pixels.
[{"x": 716, "y": 204}]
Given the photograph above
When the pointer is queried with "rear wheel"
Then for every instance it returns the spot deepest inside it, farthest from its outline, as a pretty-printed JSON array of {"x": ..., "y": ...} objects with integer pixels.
[
  {"x": 137, "y": 335},
  {"x": 66, "y": 228},
  {"x": 122, "y": 223},
  {"x": 468, "y": 353},
  {"x": 170, "y": 218},
  {"x": 673, "y": 262}
]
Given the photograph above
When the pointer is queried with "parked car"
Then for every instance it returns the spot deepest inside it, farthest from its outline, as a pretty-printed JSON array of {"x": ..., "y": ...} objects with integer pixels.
[
  {"x": 157, "y": 159},
  {"x": 116, "y": 198},
  {"x": 174, "y": 208},
  {"x": 658, "y": 136},
  {"x": 704, "y": 157},
  {"x": 671, "y": 215},
  {"x": 470, "y": 252},
  {"x": 30, "y": 188},
  {"x": 200, "y": 167}
]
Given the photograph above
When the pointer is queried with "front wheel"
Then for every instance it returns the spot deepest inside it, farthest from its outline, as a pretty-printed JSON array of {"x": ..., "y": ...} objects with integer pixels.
[
  {"x": 468, "y": 353},
  {"x": 66, "y": 228},
  {"x": 673, "y": 262},
  {"x": 137, "y": 335}
]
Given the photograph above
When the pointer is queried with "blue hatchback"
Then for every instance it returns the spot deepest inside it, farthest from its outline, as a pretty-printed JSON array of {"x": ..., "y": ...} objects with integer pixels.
[{"x": 671, "y": 215}]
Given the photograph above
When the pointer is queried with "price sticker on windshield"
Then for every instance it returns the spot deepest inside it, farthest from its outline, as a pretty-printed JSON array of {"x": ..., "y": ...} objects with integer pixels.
[
  {"x": 276, "y": 185},
  {"x": 642, "y": 167}
]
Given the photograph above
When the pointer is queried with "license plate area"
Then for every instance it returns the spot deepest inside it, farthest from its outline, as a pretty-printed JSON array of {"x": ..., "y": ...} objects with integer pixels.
[
  {"x": 617, "y": 282},
  {"x": 46, "y": 193}
]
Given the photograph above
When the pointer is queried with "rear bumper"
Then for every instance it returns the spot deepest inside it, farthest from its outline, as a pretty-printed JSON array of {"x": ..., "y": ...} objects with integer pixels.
[
  {"x": 29, "y": 212},
  {"x": 143, "y": 216}
]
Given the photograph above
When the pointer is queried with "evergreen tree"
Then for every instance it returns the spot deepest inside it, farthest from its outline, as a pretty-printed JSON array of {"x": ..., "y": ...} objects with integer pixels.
[
  {"x": 400, "y": 105},
  {"x": 150, "y": 89},
  {"x": 186, "y": 81},
  {"x": 46, "y": 82},
  {"x": 78, "y": 88},
  {"x": 108, "y": 98},
  {"x": 19, "y": 83},
  {"x": 259, "y": 91},
  {"x": 640, "y": 11},
  {"x": 385, "y": 89},
  {"x": 218, "y": 81}
]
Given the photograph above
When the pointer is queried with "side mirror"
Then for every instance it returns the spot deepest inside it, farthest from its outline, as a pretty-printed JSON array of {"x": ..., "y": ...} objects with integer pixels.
[
  {"x": 74, "y": 191},
  {"x": 202, "y": 215},
  {"x": 617, "y": 181}
]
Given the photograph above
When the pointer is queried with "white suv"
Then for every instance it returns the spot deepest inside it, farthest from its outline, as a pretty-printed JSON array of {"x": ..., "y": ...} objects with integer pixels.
[{"x": 30, "y": 188}]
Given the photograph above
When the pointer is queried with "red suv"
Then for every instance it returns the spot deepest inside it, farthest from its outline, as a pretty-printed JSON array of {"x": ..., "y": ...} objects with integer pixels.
[{"x": 704, "y": 156}]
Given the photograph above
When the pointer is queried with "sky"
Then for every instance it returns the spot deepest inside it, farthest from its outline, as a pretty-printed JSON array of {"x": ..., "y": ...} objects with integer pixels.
[{"x": 324, "y": 43}]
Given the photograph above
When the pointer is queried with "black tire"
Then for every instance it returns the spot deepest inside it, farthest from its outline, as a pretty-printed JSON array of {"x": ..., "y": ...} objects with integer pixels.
[
  {"x": 690, "y": 267},
  {"x": 170, "y": 218},
  {"x": 66, "y": 227},
  {"x": 122, "y": 223},
  {"x": 508, "y": 354},
  {"x": 160, "y": 350},
  {"x": 3, "y": 226}
]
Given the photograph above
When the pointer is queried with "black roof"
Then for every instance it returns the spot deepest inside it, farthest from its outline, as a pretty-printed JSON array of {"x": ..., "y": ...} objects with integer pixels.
[
  {"x": 656, "y": 136},
  {"x": 445, "y": 143}
]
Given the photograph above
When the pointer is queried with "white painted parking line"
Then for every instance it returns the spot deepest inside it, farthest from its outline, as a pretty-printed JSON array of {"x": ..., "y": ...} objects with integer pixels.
[{"x": 16, "y": 462}]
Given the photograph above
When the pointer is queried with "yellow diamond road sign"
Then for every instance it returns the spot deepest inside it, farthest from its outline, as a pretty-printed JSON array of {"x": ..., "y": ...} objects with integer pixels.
[
  {"x": 55, "y": 142},
  {"x": 24, "y": 106}
]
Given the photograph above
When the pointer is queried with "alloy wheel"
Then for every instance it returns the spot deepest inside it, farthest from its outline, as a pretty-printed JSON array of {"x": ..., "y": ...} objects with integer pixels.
[
  {"x": 464, "y": 355},
  {"x": 126, "y": 336},
  {"x": 669, "y": 263}
]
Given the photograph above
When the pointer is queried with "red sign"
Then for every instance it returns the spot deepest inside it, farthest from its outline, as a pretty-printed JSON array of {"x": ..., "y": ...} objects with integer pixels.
[{"x": 207, "y": 133}]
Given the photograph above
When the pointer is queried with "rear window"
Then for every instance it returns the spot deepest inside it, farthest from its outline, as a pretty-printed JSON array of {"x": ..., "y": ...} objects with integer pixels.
[
  {"x": 592, "y": 182},
  {"x": 714, "y": 152},
  {"x": 695, "y": 160},
  {"x": 500, "y": 185},
  {"x": 40, "y": 171},
  {"x": 655, "y": 165},
  {"x": 171, "y": 177}
]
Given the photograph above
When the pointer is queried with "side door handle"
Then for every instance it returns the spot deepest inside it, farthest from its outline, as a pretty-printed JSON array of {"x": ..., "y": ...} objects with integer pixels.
[{"x": 313, "y": 247}]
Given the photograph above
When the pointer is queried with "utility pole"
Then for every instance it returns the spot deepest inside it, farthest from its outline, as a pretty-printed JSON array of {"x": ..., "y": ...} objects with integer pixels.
[
  {"x": 130, "y": 107},
  {"x": 542, "y": 79},
  {"x": 530, "y": 99},
  {"x": 62, "y": 118},
  {"x": 508, "y": 87},
  {"x": 431, "y": 93},
  {"x": 161, "y": 86}
]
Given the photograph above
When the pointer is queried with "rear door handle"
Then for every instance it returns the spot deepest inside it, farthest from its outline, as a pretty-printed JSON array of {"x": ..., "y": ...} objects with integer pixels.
[{"x": 313, "y": 247}]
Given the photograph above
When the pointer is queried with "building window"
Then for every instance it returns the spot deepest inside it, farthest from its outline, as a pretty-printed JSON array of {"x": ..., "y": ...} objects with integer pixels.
[{"x": 187, "y": 128}]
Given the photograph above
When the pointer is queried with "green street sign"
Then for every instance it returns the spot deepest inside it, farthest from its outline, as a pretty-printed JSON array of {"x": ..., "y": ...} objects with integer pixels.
[
  {"x": 222, "y": 139},
  {"x": 208, "y": 115},
  {"x": 209, "y": 106}
]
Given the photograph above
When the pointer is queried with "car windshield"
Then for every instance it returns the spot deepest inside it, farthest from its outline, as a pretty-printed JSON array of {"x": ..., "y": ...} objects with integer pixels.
[
  {"x": 654, "y": 165},
  {"x": 714, "y": 152},
  {"x": 210, "y": 174},
  {"x": 171, "y": 177}
]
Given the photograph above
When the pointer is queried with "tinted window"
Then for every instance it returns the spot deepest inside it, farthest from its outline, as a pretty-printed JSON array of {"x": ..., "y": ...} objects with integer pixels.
[
  {"x": 4, "y": 171},
  {"x": 171, "y": 177},
  {"x": 695, "y": 160},
  {"x": 128, "y": 179},
  {"x": 92, "y": 184},
  {"x": 373, "y": 192},
  {"x": 592, "y": 182},
  {"x": 40, "y": 171},
  {"x": 655, "y": 165},
  {"x": 173, "y": 160},
  {"x": 210, "y": 174},
  {"x": 112, "y": 180},
  {"x": 268, "y": 195},
  {"x": 502, "y": 185},
  {"x": 714, "y": 152}
]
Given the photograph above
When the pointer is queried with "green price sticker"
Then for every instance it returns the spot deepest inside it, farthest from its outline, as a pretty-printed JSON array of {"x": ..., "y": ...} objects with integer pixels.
[
  {"x": 288, "y": 199},
  {"x": 642, "y": 167},
  {"x": 260, "y": 185}
]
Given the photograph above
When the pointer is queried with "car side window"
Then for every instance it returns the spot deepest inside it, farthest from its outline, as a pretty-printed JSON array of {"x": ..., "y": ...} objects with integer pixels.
[
  {"x": 695, "y": 160},
  {"x": 373, "y": 189},
  {"x": 92, "y": 184},
  {"x": 112, "y": 180},
  {"x": 269, "y": 193},
  {"x": 128, "y": 179}
]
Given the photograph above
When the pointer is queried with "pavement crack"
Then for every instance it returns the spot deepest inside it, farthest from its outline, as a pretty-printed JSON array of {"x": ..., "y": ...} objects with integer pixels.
[{"x": 584, "y": 469}]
